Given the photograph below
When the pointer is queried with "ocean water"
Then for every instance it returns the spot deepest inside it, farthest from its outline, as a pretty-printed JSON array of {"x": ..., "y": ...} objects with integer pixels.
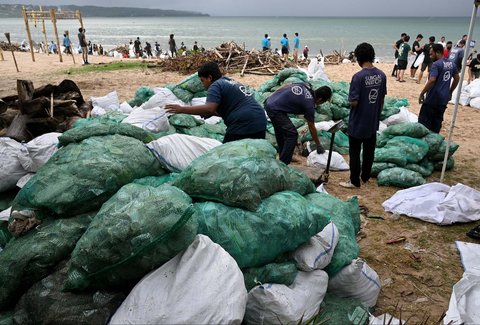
[{"x": 319, "y": 33}]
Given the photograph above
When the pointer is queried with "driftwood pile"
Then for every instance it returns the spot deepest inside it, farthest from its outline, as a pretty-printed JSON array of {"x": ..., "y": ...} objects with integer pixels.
[
  {"x": 335, "y": 58},
  {"x": 33, "y": 112},
  {"x": 230, "y": 57},
  {"x": 8, "y": 47}
]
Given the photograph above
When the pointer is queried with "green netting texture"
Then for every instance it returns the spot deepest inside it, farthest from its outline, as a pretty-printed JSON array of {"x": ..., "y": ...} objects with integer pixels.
[
  {"x": 402, "y": 150},
  {"x": 280, "y": 273},
  {"x": 414, "y": 130},
  {"x": 335, "y": 310},
  {"x": 399, "y": 177},
  {"x": 377, "y": 167},
  {"x": 142, "y": 95},
  {"x": 184, "y": 121},
  {"x": 156, "y": 181}
]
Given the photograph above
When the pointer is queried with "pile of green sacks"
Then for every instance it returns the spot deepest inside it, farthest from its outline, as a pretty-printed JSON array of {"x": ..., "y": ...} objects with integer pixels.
[{"x": 407, "y": 153}]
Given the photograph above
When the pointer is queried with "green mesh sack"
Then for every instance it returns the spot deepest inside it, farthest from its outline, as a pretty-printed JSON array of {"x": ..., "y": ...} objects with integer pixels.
[
  {"x": 182, "y": 94},
  {"x": 271, "y": 139},
  {"x": 388, "y": 111},
  {"x": 242, "y": 148},
  {"x": 440, "y": 154},
  {"x": 346, "y": 216},
  {"x": 171, "y": 130},
  {"x": 184, "y": 121},
  {"x": 341, "y": 87},
  {"x": 439, "y": 164},
  {"x": 377, "y": 167},
  {"x": 317, "y": 83},
  {"x": 339, "y": 113},
  {"x": 135, "y": 232},
  {"x": 281, "y": 223},
  {"x": 28, "y": 259},
  {"x": 321, "y": 118},
  {"x": 382, "y": 139},
  {"x": 400, "y": 177},
  {"x": 336, "y": 310},
  {"x": 268, "y": 85},
  {"x": 202, "y": 131},
  {"x": 425, "y": 172},
  {"x": 81, "y": 176},
  {"x": 46, "y": 303},
  {"x": 339, "y": 100},
  {"x": 6, "y": 198},
  {"x": 297, "y": 122},
  {"x": 240, "y": 182},
  {"x": 156, "y": 181},
  {"x": 261, "y": 97},
  {"x": 325, "y": 109},
  {"x": 413, "y": 130},
  {"x": 279, "y": 273},
  {"x": 200, "y": 94},
  {"x": 5, "y": 235},
  {"x": 292, "y": 80},
  {"x": 142, "y": 95},
  {"x": 401, "y": 102},
  {"x": 113, "y": 117},
  {"x": 434, "y": 141},
  {"x": 6, "y": 318},
  {"x": 288, "y": 72},
  {"x": 402, "y": 150},
  {"x": 192, "y": 84},
  {"x": 81, "y": 133}
]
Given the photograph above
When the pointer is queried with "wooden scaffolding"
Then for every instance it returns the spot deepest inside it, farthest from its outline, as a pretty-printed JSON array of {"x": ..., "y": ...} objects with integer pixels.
[{"x": 53, "y": 15}]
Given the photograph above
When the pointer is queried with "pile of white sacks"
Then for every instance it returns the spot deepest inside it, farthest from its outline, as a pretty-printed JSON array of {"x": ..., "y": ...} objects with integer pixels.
[{"x": 470, "y": 94}]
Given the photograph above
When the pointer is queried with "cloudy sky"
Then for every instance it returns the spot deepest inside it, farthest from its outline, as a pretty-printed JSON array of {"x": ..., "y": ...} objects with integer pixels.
[{"x": 428, "y": 8}]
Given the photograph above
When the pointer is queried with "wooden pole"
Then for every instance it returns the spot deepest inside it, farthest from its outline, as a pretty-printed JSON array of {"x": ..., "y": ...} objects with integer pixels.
[
  {"x": 79, "y": 14},
  {"x": 25, "y": 19},
  {"x": 44, "y": 31},
  {"x": 7, "y": 35},
  {"x": 1, "y": 55},
  {"x": 54, "y": 21}
]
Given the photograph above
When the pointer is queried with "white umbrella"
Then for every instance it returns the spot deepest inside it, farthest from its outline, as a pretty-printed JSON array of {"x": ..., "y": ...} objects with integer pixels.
[{"x": 476, "y": 3}]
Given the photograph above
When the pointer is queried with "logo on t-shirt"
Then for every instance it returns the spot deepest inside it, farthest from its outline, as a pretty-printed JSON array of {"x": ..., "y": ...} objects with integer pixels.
[
  {"x": 245, "y": 91},
  {"x": 308, "y": 95},
  {"x": 446, "y": 76},
  {"x": 372, "y": 96},
  {"x": 297, "y": 90}
]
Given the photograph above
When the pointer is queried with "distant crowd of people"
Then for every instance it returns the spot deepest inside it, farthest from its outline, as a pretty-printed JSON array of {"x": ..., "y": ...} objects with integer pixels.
[
  {"x": 136, "y": 50},
  {"x": 285, "y": 47}
]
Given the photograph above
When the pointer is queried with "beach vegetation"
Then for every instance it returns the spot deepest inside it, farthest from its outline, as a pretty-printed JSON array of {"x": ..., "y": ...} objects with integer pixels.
[{"x": 111, "y": 66}]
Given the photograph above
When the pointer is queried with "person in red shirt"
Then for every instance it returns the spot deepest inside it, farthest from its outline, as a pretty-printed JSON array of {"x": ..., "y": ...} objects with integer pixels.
[{"x": 446, "y": 50}]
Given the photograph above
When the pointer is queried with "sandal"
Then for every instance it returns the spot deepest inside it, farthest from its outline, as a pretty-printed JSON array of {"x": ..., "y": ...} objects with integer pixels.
[{"x": 474, "y": 233}]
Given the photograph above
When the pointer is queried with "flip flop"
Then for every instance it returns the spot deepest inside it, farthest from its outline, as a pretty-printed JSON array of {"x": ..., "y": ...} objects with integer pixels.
[
  {"x": 474, "y": 233},
  {"x": 402, "y": 80}
]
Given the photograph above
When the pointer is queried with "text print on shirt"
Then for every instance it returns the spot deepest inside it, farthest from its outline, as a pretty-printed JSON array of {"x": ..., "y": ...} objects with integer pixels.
[{"x": 242, "y": 88}]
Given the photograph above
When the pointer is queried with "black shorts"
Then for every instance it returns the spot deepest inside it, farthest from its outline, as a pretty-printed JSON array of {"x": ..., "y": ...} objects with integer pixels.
[
  {"x": 284, "y": 50},
  {"x": 425, "y": 65},
  {"x": 476, "y": 74},
  {"x": 402, "y": 64}
]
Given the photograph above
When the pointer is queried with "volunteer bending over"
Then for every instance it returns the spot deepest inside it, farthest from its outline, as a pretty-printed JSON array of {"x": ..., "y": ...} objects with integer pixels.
[
  {"x": 241, "y": 113},
  {"x": 297, "y": 98}
]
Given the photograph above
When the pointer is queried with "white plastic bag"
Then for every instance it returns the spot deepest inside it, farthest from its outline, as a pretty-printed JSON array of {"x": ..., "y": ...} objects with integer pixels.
[
  {"x": 337, "y": 162},
  {"x": 5, "y": 214},
  {"x": 473, "y": 88},
  {"x": 324, "y": 125},
  {"x": 24, "y": 180},
  {"x": 464, "y": 303},
  {"x": 317, "y": 252},
  {"x": 475, "y": 102},
  {"x": 38, "y": 151},
  {"x": 109, "y": 102},
  {"x": 10, "y": 168},
  {"x": 464, "y": 95},
  {"x": 97, "y": 111},
  {"x": 404, "y": 116},
  {"x": 199, "y": 101},
  {"x": 162, "y": 97},
  {"x": 356, "y": 280},
  {"x": 202, "y": 285},
  {"x": 153, "y": 119},
  {"x": 126, "y": 108},
  {"x": 279, "y": 304},
  {"x": 176, "y": 151}
]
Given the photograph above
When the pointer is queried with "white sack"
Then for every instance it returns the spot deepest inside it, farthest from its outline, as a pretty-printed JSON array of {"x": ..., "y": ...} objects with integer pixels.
[
  {"x": 38, "y": 151},
  {"x": 470, "y": 256},
  {"x": 5, "y": 214},
  {"x": 176, "y": 151},
  {"x": 475, "y": 102},
  {"x": 464, "y": 95},
  {"x": 404, "y": 116},
  {"x": 162, "y": 97},
  {"x": 199, "y": 101},
  {"x": 109, "y": 102},
  {"x": 153, "y": 119},
  {"x": 317, "y": 252},
  {"x": 337, "y": 162},
  {"x": 464, "y": 306},
  {"x": 279, "y": 304},
  {"x": 24, "y": 180},
  {"x": 381, "y": 127},
  {"x": 316, "y": 70},
  {"x": 10, "y": 168},
  {"x": 97, "y": 111},
  {"x": 384, "y": 319},
  {"x": 213, "y": 120},
  {"x": 202, "y": 285},
  {"x": 357, "y": 280},
  {"x": 436, "y": 203},
  {"x": 126, "y": 108},
  {"x": 474, "y": 88},
  {"x": 324, "y": 125}
]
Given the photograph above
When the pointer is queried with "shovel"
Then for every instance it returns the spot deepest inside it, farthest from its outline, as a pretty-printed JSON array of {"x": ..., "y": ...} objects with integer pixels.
[{"x": 326, "y": 173}]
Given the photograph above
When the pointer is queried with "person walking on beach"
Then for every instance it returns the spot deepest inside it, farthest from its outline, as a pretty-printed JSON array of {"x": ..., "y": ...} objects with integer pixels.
[
  {"x": 137, "y": 45},
  {"x": 67, "y": 44},
  {"x": 474, "y": 68},
  {"x": 229, "y": 99},
  {"x": 285, "y": 47},
  {"x": 305, "y": 52},
  {"x": 396, "y": 46},
  {"x": 442, "y": 42},
  {"x": 157, "y": 49},
  {"x": 296, "y": 47},
  {"x": 296, "y": 98},
  {"x": 82, "y": 41},
  {"x": 438, "y": 90},
  {"x": 148, "y": 50},
  {"x": 403, "y": 52},
  {"x": 427, "y": 61},
  {"x": 265, "y": 43},
  {"x": 457, "y": 54},
  {"x": 366, "y": 96},
  {"x": 416, "y": 49},
  {"x": 446, "y": 51},
  {"x": 172, "y": 46}
]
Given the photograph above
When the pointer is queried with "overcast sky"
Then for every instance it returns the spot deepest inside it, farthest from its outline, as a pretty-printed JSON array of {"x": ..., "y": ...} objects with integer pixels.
[{"x": 428, "y": 8}]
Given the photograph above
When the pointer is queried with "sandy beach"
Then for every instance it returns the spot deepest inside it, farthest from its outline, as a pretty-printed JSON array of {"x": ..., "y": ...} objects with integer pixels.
[{"x": 418, "y": 273}]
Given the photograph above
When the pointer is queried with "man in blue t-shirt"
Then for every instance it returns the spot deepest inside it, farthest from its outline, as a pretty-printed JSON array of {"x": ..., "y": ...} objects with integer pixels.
[
  {"x": 438, "y": 90},
  {"x": 457, "y": 54},
  {"x": 241, "y": 113},
  {"x": 265, "y": 42},
  {"x": 367, "y": 93},
  {"x": 285, "y": 47},
  {"x": 296, "y": 98},
  {"x": 296, "y": 47}
]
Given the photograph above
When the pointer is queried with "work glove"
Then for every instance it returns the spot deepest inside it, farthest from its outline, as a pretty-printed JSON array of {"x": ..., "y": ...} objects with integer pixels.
[{"x": 320, "y": 150}]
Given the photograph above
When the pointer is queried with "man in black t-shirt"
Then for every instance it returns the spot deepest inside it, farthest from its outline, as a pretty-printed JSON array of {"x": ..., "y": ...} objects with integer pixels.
[
  {"x": 396, "y": 46},
  {"x": 416, "y": 49},
  {"x": 474, "y": 68},
  {"x": 427, "y": 61}
]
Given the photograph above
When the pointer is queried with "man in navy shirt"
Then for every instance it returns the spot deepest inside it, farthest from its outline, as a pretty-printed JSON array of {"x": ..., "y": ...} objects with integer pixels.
[
  {"x": 296, "y": 98},
  {"x": 438, "y": 90},
  {"x": 241, "y": 113},
  {"x": 367, "y": 93}
]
